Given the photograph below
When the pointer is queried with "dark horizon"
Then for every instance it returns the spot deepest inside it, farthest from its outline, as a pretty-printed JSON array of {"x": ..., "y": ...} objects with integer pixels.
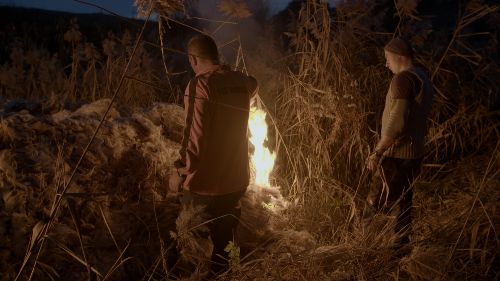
[{"x": 126, "y": 10}]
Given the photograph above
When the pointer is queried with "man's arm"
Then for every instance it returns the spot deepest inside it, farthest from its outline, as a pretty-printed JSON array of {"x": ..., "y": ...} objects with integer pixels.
[
  {"x": 394, "y": 129},
  {"x": 402, "y": 88},
  {"x": 383, "y": 144},
  {"x": 396, "y": 123},
  {"x": 189, "y": 93},
  {"x": 198, "y": 106}
]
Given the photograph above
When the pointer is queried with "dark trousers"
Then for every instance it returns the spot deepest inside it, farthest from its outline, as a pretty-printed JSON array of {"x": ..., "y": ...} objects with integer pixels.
[
  {"x": 225, "y": 212},
  {"x": 392, "y": 185}
]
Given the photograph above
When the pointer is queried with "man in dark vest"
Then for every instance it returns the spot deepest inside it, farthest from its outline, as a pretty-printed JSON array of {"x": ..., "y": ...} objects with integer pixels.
[
  {"x": 214, "y": 161},
  {"x": 397, "y": 157}
]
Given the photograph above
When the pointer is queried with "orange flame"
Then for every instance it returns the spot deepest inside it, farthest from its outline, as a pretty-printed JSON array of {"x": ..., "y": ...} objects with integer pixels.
[{"x": 262, "y": 159}]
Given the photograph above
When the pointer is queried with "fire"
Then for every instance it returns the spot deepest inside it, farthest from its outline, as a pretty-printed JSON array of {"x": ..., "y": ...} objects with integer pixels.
[{"x": 262, "y": 159}]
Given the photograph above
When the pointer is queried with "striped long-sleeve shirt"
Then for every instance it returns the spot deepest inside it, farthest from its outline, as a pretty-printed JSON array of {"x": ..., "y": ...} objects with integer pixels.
[{"x": 407, "y": 106}]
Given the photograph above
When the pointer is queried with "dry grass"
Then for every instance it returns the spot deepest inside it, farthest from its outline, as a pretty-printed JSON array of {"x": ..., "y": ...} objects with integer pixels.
[
  {"x": 117, "y": 220},
  {"x": 109, "y": 206},
  {"x": 94, "y": 72},
  {"x": 333, "y": 91}
]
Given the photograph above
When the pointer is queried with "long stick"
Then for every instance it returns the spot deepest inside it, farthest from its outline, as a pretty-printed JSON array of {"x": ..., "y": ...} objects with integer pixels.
[{"x": 163, "y": 60}]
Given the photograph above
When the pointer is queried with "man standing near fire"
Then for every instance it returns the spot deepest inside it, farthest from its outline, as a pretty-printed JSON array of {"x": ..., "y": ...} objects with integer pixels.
[
  {"x": 213, "y": 168},
  {"x": 397, "y": 157}
]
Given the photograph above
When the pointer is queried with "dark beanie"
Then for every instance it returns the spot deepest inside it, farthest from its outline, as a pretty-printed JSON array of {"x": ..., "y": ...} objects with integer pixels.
[{"x": 400, "y": 47}]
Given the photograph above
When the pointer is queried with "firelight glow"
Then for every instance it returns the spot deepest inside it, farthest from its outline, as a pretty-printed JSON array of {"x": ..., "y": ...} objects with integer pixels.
[{"x": 262, "y": 159}]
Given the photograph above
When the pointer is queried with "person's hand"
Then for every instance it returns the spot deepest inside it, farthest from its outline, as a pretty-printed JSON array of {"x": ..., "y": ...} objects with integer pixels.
[
  {"x": 373, "y": 162},
  {"x": 175, "y": 182}
]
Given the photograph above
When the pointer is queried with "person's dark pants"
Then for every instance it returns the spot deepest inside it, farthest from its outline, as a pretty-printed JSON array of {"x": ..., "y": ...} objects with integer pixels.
[
  {"x": 392, "y": 184},
  {"x": 225, "y": 212}
]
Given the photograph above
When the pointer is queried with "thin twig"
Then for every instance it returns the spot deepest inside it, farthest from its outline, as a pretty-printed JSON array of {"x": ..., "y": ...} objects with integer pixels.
[
  {"x": 216, "y": 21},
  {"x": 109, "y": 228},
  {"x": 165, "y": 48},
  {"x": 76, "y": 257},
  {"x": 162, "y": 243},
  {"x": 163, "y": 59},
  {"x": 108, "y": 11},
  {"x": 462, "y": 23},
  {"x": 76, "y": 222},
  {"x": 119, "y": 261},
  {"x": 185, "y": 25},
  {"x": 476, "y": 198}
]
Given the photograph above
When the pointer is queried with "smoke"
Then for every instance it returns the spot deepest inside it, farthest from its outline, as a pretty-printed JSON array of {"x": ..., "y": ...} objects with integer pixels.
[
  {"x": 233, "y": 23},
  {"x": 247, "y": 40}
]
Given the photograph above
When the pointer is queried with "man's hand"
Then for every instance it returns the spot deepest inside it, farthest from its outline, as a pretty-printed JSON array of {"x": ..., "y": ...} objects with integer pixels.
[
  {"x": 373, "y": 162},
  {"x": 175, "y": 182}
]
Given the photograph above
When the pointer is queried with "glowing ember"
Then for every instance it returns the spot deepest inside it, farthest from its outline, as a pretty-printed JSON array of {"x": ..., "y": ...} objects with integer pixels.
[{"x": 262, "y": 158}]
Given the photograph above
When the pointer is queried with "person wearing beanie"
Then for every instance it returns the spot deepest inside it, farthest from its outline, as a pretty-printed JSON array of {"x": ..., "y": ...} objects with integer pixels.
[
  {"x": 397, "y": 156},
  {"x": 400, "y": 47}
]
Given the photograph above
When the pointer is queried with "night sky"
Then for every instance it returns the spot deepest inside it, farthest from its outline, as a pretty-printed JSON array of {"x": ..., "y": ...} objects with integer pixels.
[{"x": 122, "y": 7}]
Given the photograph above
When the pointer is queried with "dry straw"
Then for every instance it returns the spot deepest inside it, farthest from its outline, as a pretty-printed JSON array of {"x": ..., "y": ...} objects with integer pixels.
[{"x": 116, "y": 219}]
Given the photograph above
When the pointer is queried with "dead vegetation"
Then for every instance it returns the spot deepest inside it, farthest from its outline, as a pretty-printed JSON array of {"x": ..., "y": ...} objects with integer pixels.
[
  {"x": 113, "y": 206},
  {"x": 118, "y": 222}
]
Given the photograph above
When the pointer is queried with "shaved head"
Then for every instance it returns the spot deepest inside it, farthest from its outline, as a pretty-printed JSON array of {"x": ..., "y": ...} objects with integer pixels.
[{"x": 203, "y": 47}]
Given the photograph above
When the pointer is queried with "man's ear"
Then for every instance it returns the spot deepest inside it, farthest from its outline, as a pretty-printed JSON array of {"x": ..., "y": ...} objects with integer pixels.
[{"x": 193, "y": 60}]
